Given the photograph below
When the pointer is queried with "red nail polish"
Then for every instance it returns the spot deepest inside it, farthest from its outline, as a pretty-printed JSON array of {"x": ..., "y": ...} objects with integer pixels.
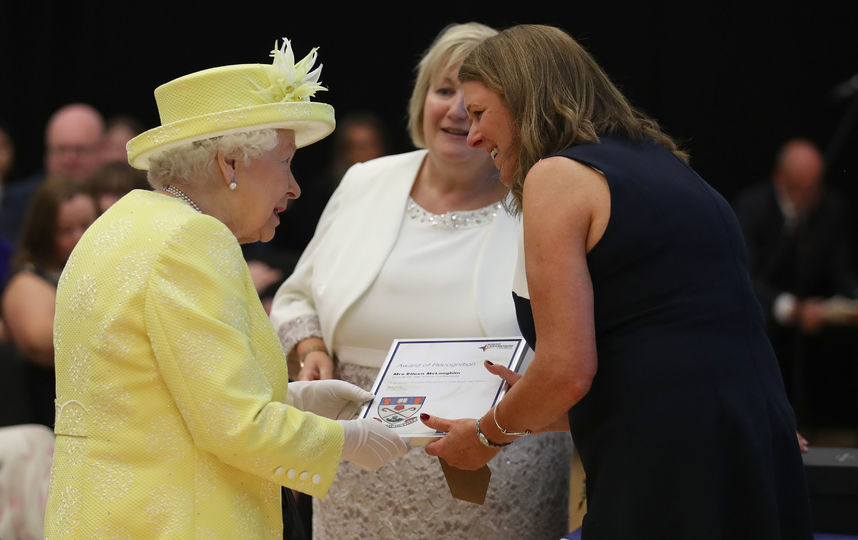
[
  {"x": 424, "y": 416},
  {"x": 490, "y": 363}
]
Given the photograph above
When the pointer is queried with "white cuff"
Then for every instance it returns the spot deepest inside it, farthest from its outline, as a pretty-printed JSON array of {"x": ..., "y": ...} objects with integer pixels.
[{"x": 298, "y": 329}]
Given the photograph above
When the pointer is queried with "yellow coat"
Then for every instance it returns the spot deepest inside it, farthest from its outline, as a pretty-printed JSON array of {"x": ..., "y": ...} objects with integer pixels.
[{"x": 170, "y": 386}]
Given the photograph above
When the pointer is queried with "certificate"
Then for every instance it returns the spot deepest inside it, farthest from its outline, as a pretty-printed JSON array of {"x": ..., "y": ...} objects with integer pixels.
[{"x": 441, "y": 377}]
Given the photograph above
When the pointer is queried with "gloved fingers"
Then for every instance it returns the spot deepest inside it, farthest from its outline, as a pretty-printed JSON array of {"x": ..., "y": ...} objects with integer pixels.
[
  {"x": 345, "y": 390},
  {"x": 369, "y": 444},
  {"x": 390, "y": 447},
  {"x": 349, "y": 411},
  {"x": 383, "y": 451},
  {"x": 387, "y": 440},
  {"x": 374, "y": 457},
  {"x": 369, "y": 461},
  {"x": 331, "y": 398},
  {"x": 295, "y": 392}
]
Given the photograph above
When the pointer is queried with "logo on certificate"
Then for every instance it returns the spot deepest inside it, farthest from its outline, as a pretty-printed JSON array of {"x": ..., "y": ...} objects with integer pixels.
[
  {"x": 399, "y": 411},
  {"x": 488, "y": 346}
]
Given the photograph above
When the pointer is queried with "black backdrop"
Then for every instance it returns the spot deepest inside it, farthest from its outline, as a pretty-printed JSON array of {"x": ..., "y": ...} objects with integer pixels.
[{"x": 731, "y": 80}]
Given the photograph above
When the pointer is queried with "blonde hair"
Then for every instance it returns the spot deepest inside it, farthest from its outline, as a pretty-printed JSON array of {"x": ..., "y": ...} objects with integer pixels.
[
  {"x": 557, "y": 94},
  {"x": 450, "y": 47},
  {"x": 195, "y": 161}
]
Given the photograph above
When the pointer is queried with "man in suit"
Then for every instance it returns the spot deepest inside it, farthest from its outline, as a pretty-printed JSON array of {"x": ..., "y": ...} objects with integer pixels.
[{"x": 800, "y": 257}]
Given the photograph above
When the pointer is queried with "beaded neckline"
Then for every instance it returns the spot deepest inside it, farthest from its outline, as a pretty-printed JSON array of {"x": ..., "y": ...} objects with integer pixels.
[{"x": 457, "y": 219}]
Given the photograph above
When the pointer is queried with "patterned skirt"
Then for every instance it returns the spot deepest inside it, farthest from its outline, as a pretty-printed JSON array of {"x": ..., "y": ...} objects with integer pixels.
[{"x": 528, "y": 495}]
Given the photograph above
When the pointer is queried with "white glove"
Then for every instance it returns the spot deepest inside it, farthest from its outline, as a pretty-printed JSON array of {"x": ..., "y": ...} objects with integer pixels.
[
  {"x": 369, "y": 444},
  {"x": 331, "y": 398}
]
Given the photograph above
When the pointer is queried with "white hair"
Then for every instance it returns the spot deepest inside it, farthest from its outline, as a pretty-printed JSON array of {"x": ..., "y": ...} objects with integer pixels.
[{"x": 194, "y": 162}]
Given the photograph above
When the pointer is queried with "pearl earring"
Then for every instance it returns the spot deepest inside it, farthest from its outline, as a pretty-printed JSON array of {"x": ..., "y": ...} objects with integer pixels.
[{"x": 233, "y": 185}]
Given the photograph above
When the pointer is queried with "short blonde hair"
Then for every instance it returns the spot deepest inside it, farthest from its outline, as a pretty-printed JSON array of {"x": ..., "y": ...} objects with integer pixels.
[
  {"x": 195, "y": 161},
  {"x": 450, "y": 47}
]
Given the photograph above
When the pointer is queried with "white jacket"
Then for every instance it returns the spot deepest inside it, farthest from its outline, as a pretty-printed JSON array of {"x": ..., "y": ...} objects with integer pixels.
[{"x": 354, "y": 237}]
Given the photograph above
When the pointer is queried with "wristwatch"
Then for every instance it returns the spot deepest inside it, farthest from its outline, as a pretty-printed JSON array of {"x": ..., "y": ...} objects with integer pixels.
[{"x": 484, "y": 440}]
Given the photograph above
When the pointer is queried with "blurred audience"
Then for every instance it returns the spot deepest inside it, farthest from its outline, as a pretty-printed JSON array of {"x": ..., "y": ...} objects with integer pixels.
[
  {"x": 59, "y": 213},
  {"x": 7, "y": 161},
  {"x": 74, "y": 138},
  {"x": 112, "y": 181},
  {"x": 120, "y": 129},
  {"x": 74, "y": 141},
  {"x": 7, "y": 153},
  {"x": 360, "y": 136},
  {"x": 797, "y": 230}
]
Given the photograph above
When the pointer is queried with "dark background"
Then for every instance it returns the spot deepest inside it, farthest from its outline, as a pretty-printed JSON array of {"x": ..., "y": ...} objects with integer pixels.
[{"x": 731, "y": 80}]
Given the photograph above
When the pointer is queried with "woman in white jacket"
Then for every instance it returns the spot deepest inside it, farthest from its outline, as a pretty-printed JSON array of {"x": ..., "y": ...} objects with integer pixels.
[{"x": 410, "y": 246}]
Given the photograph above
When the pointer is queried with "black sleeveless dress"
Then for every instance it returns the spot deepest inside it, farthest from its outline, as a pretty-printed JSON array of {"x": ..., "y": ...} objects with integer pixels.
[
  {"x": 686, "y": 431},
  {"x": 37, "y": 382}
]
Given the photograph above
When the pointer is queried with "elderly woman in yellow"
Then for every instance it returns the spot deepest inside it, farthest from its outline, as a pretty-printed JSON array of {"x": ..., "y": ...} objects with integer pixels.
[{"x": 174, "y": 419}]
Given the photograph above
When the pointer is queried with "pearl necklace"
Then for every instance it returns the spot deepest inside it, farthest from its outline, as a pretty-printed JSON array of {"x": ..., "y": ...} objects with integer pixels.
[{"x": 178, "y": 193}]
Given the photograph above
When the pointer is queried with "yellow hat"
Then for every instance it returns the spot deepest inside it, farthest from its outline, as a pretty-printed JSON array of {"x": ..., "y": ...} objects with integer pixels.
[{"x": 243, "y": 97}]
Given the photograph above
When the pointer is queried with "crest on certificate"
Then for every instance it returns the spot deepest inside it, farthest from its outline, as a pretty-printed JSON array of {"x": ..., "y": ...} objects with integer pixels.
[{"x": 399, "y": 411}]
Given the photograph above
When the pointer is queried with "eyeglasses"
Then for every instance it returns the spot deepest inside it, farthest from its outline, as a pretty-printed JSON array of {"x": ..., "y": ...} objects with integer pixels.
[{"x": 77, "y": 149}]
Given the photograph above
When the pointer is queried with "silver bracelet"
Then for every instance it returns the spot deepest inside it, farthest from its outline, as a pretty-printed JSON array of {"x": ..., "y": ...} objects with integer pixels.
[
  {"x": 485, "y": 440},
  {"x": 504, "y": 431}
]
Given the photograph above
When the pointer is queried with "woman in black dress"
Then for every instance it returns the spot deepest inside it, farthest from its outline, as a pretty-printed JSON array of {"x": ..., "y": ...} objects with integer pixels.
[
  {"x": 59, "y": 213},
  {"x": 634, "y": 265}
]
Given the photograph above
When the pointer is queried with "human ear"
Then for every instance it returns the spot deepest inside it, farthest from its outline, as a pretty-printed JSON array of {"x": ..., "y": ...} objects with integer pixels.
[{"x": 226, "y": 166}]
